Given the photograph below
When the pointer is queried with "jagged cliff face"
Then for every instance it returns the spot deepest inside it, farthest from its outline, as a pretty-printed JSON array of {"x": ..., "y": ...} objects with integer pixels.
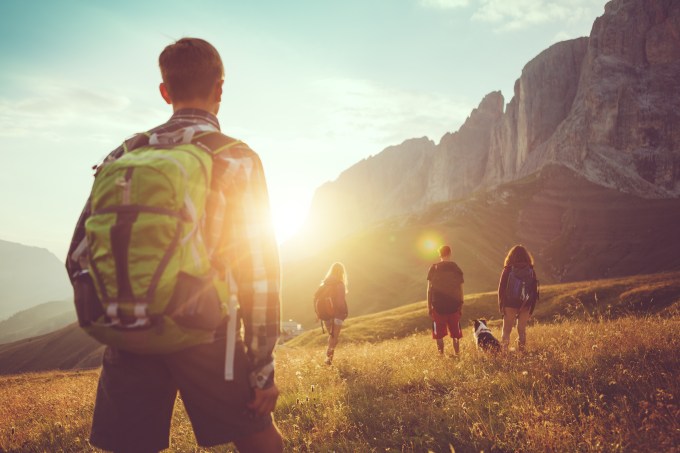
[
  {"x": 607, "y": 106},
  {"x": 406, "y": 178},
  {"x": 382, "y": 186},
  {"x": 458, "y": 162},
  {"x": 544, "y": 95},
  {"x": 622, "y": 130}
]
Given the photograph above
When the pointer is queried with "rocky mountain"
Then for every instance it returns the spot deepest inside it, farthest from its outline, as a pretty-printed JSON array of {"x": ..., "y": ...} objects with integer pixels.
[
  {"x": 374, "y": 189},
  {"x": 621, "y": 130},
  {"x": 606, "y": 106},
  {"x": 29, "y": 276}
]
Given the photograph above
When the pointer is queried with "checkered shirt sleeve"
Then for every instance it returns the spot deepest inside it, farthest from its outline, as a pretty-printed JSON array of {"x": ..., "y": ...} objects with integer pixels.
[{"x": 246, "y": 246}]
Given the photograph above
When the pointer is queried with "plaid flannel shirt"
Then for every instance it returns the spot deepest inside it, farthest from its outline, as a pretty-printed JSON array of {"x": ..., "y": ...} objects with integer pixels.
[{"x": 241, "y": 235}]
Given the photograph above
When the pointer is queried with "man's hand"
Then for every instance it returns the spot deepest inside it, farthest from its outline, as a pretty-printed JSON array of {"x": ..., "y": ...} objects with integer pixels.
[{"x": 264, "y": 401}]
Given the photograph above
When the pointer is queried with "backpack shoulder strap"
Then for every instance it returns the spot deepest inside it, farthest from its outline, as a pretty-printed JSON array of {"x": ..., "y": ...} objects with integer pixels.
[
  {"x": 137, "y": 141},
  {"x": 215, "y": 142}
]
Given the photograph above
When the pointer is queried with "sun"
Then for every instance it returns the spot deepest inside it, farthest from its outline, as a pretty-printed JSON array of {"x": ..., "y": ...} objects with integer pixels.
[{"x": 288, "y": 218}]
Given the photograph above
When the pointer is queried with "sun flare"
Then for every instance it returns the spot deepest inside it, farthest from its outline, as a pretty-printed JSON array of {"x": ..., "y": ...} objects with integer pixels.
[{"x": 428, "y": 244}]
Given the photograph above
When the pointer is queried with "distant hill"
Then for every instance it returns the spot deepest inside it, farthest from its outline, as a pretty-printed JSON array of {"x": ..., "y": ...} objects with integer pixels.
[
  {"x": 67, "y": 348},
  {"x": 29, "y": 276},
  {"x": 71, "y": 348},
  {"x": 577, "y": 230},
  {"x": 38, "y": 320}
]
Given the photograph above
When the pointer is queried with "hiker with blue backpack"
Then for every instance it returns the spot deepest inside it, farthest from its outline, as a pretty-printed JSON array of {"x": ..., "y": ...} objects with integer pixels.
[
  {"x": 517, "y": 294},
  {"x": 173, "y": 256},
  {"x": 330, "y": 305}
]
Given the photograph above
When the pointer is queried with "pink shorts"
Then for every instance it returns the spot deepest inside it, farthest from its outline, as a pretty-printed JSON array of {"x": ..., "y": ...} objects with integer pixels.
[{"x": 442, "y": 323}]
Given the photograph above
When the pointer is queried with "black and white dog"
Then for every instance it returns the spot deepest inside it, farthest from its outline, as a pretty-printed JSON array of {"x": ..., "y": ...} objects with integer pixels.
[{"x": 483, "y": 337}]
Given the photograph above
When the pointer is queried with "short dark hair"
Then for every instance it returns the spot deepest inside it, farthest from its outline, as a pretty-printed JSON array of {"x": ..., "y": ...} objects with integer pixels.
[
  {"x": 190, "y": 69},
  {"x": 444, "y": 251}
]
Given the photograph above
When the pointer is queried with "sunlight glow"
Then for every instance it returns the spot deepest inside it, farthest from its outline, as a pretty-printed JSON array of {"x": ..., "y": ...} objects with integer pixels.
[
  {"x": 287, "y": 219},
  {"x": 428, "y": 243}
]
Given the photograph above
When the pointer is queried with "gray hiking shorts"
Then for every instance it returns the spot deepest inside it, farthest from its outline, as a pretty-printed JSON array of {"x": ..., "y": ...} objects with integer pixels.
[{"x": 136, "y": 396}]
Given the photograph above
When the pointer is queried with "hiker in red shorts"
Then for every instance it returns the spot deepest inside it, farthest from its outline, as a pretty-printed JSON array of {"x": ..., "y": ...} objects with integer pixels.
[{"x": 445, "y": 299}]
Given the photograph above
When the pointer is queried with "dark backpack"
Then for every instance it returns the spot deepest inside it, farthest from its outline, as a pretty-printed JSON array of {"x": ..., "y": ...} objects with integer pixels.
[
  {"x": 323, "y": 302},
  {"x": 522, "y": 287},
  {"x": 446, "y": 288}
]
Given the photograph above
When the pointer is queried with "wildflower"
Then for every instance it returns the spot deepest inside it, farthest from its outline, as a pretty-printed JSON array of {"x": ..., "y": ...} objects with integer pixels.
[{"x": 525, "y": 373}]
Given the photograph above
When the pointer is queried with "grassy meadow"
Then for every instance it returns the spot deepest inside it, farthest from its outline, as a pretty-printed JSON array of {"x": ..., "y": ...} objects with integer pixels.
[{"x": 592, "y": 379}]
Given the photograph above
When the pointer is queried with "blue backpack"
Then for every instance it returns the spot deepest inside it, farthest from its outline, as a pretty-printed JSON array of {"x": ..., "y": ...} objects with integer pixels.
[{"x": 522, "y": 287}]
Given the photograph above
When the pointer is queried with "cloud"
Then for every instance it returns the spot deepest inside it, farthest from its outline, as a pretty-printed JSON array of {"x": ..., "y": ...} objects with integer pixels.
[
  {"x": 510, "y": 15},
  {"x": 51, "y": 107},
  {"x": 385, "y": 115},
  {"x": 444, "y": 4}
]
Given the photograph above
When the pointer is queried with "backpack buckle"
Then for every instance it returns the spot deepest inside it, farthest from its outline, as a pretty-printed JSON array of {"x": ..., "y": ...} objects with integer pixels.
[{"x": 141, "y": 311}]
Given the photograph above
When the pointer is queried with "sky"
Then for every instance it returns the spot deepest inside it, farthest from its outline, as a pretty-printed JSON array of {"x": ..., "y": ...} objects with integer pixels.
[{"x": 312, "y": 86}]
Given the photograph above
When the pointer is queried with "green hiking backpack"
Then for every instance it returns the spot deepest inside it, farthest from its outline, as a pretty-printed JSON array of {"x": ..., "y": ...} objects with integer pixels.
[{"x": 152, "y": 288}]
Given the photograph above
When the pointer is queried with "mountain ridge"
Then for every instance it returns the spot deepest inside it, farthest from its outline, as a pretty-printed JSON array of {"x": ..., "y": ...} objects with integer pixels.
[
  {"x": 37, "y": 320},
  {"x": 603, "y": 105},
  {"x": 29, "y": 276}
]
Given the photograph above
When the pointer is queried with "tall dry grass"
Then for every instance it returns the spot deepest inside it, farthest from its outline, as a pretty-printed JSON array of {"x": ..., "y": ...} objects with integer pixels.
[
  {"x": 582, "y": 386},
  {"x": 598, "y": 386}
]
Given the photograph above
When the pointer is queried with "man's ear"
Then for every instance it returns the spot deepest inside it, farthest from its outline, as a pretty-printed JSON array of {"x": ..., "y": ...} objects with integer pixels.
[
  {"x": 164, "y": 92},
  {"x": 218, "y": 91}
]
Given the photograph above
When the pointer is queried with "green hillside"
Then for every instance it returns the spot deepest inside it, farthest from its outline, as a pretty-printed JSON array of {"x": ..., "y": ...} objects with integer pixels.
[
  {"x": 589, "y": 301},
  {"x": 577, "y": 231},
  {"x": 71, "y": 348}
]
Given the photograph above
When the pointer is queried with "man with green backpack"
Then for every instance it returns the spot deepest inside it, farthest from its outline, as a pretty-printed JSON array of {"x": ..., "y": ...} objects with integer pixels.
[{"x": 173, "y": 255}]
